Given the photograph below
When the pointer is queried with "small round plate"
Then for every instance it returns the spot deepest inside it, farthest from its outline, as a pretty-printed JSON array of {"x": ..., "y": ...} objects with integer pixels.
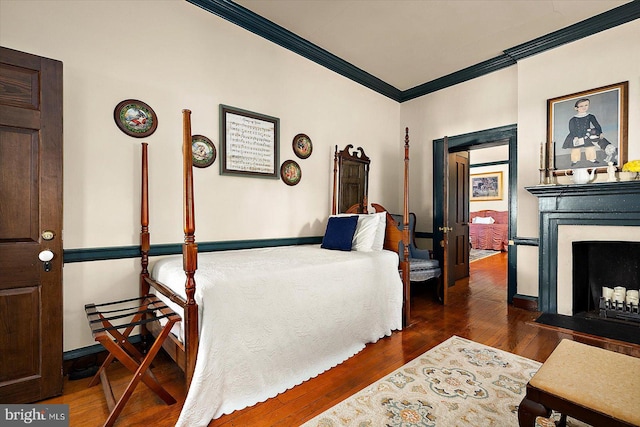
[
  {"x": 302, "y": 146},
  {"x": 135, "y": 118},
  {"x": 203, "y": 151},
  {"x": 290, "y": 172}
]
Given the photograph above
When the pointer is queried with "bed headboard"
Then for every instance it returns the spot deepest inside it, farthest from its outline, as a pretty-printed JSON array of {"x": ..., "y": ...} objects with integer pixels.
[
  {"x": 393, "y": 229},
  {"x": 350, "y": 180},
  {"x": 501, "y": 217}
]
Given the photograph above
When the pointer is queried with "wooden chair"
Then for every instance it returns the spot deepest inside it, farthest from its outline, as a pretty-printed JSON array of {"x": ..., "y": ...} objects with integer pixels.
[{"x": 101, "y": 321}]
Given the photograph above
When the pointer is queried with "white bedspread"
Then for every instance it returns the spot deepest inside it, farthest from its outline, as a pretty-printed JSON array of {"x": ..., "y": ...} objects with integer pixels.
[{"x": 275, "y": 317}]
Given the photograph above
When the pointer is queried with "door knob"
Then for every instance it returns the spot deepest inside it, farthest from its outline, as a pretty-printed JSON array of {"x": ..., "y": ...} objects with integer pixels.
[
  {"x": 445, "y": 229},
  {"x": 46, "y": 256}
]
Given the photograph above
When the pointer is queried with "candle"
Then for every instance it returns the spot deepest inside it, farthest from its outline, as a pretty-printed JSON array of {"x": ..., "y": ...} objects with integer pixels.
[
  {"x": 552, "y": 151},
  {"x": 542, "y": 162}
]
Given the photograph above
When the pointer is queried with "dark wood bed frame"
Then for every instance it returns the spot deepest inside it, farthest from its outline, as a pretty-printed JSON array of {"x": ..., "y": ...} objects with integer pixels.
[{"x": 184, "y": 353}]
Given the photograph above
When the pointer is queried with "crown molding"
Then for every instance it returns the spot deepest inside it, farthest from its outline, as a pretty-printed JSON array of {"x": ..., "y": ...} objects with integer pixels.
[
  {"x": 469, "y": 73},
  {"x": 258, "y": 25},
  {"x": 621, "y": 15}
]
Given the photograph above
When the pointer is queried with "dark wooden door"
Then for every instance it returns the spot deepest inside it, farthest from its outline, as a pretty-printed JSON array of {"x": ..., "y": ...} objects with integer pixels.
[
  {"x": 458, "y": 216},
  {"x": 444, "y": 282},
  {"x": 30, "y": 224}
]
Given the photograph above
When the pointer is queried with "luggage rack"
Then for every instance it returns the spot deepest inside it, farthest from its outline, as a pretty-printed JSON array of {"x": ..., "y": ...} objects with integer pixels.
[{"x": 102, "y": 321}]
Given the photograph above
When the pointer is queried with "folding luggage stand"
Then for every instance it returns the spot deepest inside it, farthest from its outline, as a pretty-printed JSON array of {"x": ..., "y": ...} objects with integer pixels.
[{"x": 150, "y": 308}]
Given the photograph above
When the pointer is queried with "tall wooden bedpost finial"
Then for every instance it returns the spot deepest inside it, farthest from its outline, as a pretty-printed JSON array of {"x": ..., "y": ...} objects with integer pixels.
[
  {"x": 189, "y": 248},
  {"x": 144, "y": 237},
  {"x": 335, "y": 182},
  {"x": 406, "y": 279},
  {"x": 406, "y": 184},
  {"x": 144, "y": 223}
]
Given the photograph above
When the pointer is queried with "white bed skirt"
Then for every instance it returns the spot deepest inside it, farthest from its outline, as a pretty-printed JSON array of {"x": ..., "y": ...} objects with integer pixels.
[{"x": 272, "y": 318}]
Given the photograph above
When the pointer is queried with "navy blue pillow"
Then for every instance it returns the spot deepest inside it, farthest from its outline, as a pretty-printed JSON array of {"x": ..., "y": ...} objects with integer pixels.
[{"x": 339, "y": 234}]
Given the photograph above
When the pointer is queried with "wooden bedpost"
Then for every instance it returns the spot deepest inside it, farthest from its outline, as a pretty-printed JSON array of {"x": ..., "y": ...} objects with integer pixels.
[
  {"x": 404, "y": 265},
  {"x": 144, "y": 223},
  {"x": 189, "y": 251},
  {"x": 144, "y": 237},
  {"x": 334, "y": 208}
]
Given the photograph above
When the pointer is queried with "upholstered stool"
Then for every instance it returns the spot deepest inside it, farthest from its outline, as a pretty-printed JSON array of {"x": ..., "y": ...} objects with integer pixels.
[{"x": 597, "y": 386}]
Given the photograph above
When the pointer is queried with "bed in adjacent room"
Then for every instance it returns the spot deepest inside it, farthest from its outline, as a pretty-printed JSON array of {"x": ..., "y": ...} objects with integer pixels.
[{"x": 489, "y": 230}]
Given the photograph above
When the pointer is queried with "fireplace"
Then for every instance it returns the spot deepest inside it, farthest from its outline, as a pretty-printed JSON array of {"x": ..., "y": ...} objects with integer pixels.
[
  {"x": 604, "y": 265},
  {"x": 570, "y": 213}
]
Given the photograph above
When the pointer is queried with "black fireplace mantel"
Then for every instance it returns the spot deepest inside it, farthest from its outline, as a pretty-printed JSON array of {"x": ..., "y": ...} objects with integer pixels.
[{"x": 606, "y": 204}]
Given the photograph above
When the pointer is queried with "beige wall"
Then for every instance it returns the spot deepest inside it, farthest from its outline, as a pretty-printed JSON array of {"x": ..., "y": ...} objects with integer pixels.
[
  {"x": 173, "y": 55},
  {"x": 519, "y": 95},
  {"x": 605, "y": 58},
  {"x": 483, "y": 103}
]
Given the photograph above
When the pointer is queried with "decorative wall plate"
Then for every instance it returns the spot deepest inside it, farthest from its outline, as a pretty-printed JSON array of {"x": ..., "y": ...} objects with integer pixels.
[
  {"x": 135, "y": 118},
  {"x": 290, "y": 172},
  {"x": 302, "y": 146},
  {"x": 203, "y": 151}
]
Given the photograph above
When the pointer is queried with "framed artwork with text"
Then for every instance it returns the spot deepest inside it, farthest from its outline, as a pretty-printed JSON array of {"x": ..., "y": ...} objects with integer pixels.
[{"x": 248, "y": 143}]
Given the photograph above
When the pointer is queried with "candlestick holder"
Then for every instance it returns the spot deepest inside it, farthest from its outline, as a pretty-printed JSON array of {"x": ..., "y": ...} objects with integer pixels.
[
  {"x": 551, "y": 177},
  {"x": 543, "y": 176}
]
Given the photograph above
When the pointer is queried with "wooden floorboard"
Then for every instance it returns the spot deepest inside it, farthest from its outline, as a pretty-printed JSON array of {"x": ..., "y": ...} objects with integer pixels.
[{"x": 477, "y": 310}]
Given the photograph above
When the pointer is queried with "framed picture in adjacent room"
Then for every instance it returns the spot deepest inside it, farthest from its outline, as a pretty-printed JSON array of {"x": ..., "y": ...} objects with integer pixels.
[
  {"x": 486, "y": 186},
  {"x": 588, "y": 129}
]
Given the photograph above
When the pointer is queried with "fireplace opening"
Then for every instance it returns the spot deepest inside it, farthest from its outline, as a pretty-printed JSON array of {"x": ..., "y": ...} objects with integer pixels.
[{"x": 610, "y": 264}]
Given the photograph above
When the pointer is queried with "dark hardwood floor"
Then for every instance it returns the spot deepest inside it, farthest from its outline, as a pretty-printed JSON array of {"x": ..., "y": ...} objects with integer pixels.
[{"x": 477, "y": 311}]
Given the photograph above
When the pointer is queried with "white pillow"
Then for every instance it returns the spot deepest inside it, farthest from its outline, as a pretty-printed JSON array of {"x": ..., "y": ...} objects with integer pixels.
[
  {"x": 481, "y": 220},
  {"x": 366, "y": 231},
  {"x": 378, "y": 241}
]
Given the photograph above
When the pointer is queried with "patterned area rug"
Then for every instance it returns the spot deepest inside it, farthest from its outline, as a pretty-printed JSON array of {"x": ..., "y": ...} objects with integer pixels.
[
  {"x": 457, "y": 383},
  {"x": 476, "y": 254}
]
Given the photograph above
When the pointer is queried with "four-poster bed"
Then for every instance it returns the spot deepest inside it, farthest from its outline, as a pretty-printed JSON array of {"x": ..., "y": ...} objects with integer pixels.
[{"x": 300, "y": 311}]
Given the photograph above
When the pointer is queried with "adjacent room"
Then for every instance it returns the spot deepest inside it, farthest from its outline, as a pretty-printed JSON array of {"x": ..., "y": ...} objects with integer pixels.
[{"x": 320, "y": 213}]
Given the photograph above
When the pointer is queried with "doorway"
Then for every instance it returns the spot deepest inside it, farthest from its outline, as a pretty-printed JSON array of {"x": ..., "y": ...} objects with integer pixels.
[
  {"x": 505, "y": 135},
  {"x": 488, "y": 211},
  {"x": 489, "y": 199}
]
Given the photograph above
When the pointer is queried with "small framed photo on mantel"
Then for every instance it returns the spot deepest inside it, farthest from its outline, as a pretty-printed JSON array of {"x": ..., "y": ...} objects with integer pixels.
[
  {"x": 248, "y": 143},
  {"x": 589, "y": 129}
]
